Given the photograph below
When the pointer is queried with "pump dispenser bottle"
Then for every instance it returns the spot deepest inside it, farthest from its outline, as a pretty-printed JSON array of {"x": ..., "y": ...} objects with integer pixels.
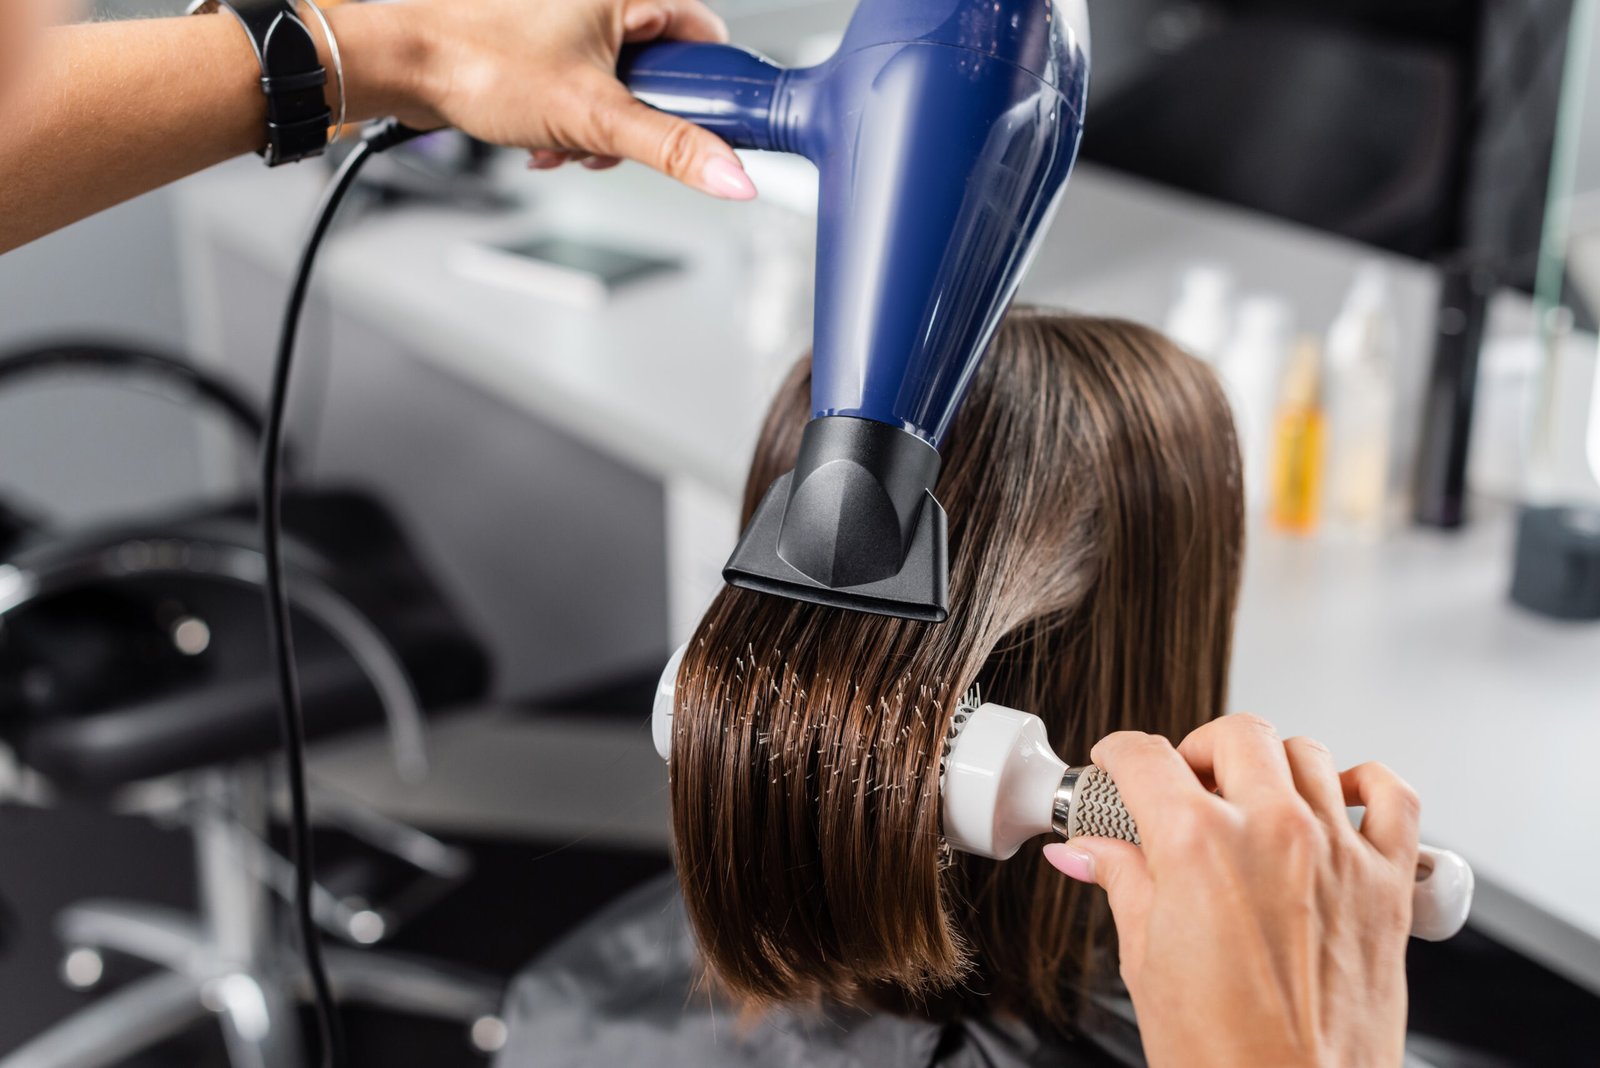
[
  {"x": 1360, "y": 389},
  {"x": 1199, "y": 318},
  {"x": 1299, "y": 436}
]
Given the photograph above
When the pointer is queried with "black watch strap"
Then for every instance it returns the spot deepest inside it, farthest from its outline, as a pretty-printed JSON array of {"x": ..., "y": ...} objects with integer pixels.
[{"x": 292, "y": 76}]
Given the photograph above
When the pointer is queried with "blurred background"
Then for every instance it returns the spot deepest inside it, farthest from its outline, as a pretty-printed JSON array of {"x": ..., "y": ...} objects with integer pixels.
[{"x": 520, "y": 428}]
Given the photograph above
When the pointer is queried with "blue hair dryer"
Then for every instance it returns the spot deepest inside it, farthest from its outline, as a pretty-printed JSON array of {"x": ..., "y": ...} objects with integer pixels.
[{"x": 944, "y": 132}]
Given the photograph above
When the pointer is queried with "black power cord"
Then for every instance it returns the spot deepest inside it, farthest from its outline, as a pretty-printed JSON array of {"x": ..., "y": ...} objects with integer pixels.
[{"x": 292, "y": 716}]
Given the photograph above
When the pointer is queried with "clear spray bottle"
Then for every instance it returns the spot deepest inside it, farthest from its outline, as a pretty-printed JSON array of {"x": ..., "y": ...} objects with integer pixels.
[{"x": 1250, "y": 365}]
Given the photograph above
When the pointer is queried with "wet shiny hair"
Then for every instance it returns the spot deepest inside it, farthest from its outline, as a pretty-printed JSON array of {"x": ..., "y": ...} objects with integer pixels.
[{"x": 1093, "y": 490}]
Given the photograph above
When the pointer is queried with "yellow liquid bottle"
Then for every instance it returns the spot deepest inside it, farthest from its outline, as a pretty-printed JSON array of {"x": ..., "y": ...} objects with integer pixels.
[{"x": 1298, "y": 443}]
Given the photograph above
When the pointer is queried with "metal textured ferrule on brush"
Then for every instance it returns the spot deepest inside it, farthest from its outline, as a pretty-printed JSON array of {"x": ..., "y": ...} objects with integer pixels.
[{"x": 1087, "y": 802}]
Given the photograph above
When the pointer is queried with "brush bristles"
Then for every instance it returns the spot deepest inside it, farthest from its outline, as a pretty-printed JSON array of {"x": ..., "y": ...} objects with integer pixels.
[{"x": 970, "y": 702}]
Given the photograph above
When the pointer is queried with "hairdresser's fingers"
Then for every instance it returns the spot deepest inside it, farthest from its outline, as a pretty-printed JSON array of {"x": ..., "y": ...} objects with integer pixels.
[
  {"x": 1118, "y": 868},
  {"x": 1317, "y": 780},
  {"x": 1394, "y": 812},
  {"x": 1157, "y": 787},
  {"x": 1243, "y": 755},
  {"x": 545, "y": 159},
  {"x": 622, "y": 126},
  {"x": 683, "y": 20}
]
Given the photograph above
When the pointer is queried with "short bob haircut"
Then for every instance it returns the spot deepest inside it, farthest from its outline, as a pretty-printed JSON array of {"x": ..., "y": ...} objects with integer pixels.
[{"x": 1093, "y": 490}]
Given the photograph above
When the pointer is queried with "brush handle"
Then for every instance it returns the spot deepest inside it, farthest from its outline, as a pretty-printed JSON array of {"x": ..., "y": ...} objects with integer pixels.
[{"x": 1088, "y": 804}]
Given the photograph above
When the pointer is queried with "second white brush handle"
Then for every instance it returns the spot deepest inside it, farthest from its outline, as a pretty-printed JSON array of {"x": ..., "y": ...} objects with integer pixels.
[{"x": 1088, "y": 804}]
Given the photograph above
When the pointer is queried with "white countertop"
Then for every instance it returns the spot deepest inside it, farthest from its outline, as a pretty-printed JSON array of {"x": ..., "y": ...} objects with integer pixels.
[
  {"x": 1410, "y": 652},
  {"x": 1407, "y": 652},
  {"x": 664, "y": 376},
  {"x": 659, "y": 388}
]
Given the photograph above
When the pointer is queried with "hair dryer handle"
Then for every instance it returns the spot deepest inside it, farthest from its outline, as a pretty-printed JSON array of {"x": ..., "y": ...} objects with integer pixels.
[{"x": 728, "y": 90}]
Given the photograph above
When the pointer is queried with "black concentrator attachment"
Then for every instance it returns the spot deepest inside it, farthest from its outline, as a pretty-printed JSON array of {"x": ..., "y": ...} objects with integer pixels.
[{"x": 855, "y": 525}]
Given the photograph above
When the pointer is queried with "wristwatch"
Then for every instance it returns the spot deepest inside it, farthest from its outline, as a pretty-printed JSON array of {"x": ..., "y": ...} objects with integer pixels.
[{"x": 292, "y": 76}]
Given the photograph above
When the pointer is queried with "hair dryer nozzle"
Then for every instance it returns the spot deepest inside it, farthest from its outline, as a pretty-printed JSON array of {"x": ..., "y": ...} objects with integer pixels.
[{"x": 855, "y": 525}]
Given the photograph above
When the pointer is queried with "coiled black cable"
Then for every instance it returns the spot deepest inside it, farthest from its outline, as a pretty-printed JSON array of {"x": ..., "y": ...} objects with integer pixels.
[{"x": 280, "y": 634}]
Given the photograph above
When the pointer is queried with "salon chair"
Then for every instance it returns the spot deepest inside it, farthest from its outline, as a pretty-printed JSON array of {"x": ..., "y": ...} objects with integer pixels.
[{"x": 135, "y": 672}]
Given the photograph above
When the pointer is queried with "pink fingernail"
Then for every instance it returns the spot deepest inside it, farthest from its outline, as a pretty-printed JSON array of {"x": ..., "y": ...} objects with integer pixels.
[
  {"x": 725, "y": 178},
  {"x": 1070, "y": 861}
]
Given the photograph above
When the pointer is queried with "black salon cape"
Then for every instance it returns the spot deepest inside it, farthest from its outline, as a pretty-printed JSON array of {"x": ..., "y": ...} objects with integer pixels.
[{"x": 621, "y": 991}]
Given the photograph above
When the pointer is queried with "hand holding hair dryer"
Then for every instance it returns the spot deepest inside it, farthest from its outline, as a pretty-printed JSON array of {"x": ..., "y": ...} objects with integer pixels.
[
  {"x": 1001, "y": 784},
  {"x": 944, "y": 132}
]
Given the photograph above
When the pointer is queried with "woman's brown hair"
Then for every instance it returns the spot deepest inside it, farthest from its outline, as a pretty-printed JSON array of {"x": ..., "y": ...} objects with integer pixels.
[{"x": 1093, "y": 491}]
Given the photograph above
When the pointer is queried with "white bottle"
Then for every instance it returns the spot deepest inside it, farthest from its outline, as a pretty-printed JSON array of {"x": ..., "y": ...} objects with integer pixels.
[
  {"x": 1198, "y": 319},
  {"x": 1251, "y": 364},
  {"x": 1362, "y": 347}
]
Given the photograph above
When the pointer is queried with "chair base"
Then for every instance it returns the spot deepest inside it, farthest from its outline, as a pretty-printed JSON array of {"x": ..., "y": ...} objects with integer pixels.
[
  {"x": 228, "y": 962},
  {"x": 256, "y": 1009}
]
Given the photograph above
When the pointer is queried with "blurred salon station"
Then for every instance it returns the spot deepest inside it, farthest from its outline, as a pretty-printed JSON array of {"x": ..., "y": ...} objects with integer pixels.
[{"x": 519, "y": 433}]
